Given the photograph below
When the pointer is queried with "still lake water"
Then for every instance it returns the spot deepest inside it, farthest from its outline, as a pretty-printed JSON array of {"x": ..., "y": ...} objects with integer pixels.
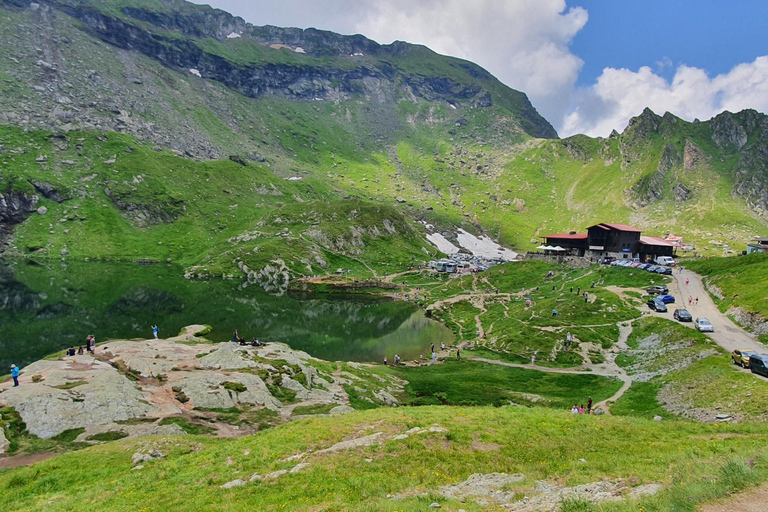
[{"x": 48, "y": 308}]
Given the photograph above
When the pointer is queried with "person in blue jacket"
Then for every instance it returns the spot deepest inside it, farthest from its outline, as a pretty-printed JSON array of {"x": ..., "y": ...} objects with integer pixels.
[{"x": 15, "y": 374}]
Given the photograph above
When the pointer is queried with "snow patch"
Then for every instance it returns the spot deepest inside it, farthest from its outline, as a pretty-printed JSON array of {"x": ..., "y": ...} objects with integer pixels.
[
  {"x": 299, "y": 49},
  {"x": 442, "y": 244},
  {"x": 478, "y": 246},
  {"x": 195, "y": 72},
  {"x": 484, "y": 246},
  {"x": 233, "y": 35}
]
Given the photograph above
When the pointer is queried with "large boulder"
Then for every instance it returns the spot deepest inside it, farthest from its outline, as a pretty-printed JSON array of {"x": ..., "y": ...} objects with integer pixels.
[{"x": 53, "y": 405}]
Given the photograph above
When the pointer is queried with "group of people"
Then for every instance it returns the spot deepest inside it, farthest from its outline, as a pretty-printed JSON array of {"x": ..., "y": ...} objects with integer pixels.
[
  {"x": 579, "y": 409},
  {"x": 236, "y": 338},
  {"x": 397, "y": 359}
]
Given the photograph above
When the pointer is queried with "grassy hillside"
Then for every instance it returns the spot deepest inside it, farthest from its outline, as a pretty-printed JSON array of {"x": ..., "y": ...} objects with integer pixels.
[
  {"x": 406, "y": 474},
  {"x": 737, "y": 282}
]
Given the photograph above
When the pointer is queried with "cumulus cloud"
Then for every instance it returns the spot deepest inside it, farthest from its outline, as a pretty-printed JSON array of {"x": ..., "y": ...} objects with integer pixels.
[
  {"x": 524, "y": 43},
  {"x": 620, "y": 94}
]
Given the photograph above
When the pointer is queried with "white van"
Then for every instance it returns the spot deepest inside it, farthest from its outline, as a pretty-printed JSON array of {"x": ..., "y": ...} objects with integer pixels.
[{"x": 667, "y": 261}]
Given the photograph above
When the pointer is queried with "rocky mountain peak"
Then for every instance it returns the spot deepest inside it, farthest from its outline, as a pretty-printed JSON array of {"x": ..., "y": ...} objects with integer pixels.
[{"x": 727, "y": 133}]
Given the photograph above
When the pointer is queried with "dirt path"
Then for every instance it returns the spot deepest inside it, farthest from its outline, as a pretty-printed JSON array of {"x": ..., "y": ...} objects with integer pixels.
[
  {"x": 24, "y": 460},
  {"x": 753, "y": 500},
  {"x": 727, "y": 334}
]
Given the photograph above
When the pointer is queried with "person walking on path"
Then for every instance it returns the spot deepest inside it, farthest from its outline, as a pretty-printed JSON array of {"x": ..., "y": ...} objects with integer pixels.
[
  {"x": 533, "y": 360},
  {"x": 154, "y": 331},
  {"x": 434, "y": 357},
  {"x": 586, "y": 296},
  {"x": 432, "y": 346},
  {"x": 696, "y": 301},
  {"x": 397, "y": 360},
  {"x": 687, "y": 281},
  {"x": 15, "y": 375},
  {"x": 442, "y": 345},
  {"x": 589, "y": 406},
  {"x": 458, "y": 354},
  {"x": 385, "y": 360}
]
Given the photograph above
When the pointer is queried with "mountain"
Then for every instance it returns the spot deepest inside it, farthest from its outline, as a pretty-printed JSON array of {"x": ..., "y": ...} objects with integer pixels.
[{"x": 159, "y": 129}]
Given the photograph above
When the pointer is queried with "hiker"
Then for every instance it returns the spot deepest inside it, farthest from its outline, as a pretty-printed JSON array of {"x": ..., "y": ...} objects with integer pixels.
[
  {"x": 235, "y": 337},
  {"x": 434, "y": 357},
  {"x": 578, "y": 291},
  {"x": 581, "y": 409},
  {"x": 533, "y": 360},
  {"x": 80, "y": 351},
  {"x": 571, "y": 289},
  {"x": 575, "y": 409},
  {"x": 442, "y": 345},
  {"x": 687, "y": 281},
  {"x": 690, "y": 300},
  {"x": 458, "y": 353},
  {"x": 432, "y": 346},
  {"x": 154, "y": 331},
  {"x": 255, "y": 342},
  {"x": 71, "y": 352},
  {"x": 554, "y": 312},
  {"x": 385, "y": 360},
  {"x": 15, "y": 375},
  {"x": 242, "y": 342},
  {"x": 696, "y": 301},
  {"x": 421, "y": 359},
  {"x": 593, "y": 284},
  {"x": 397, "y": 360},
  {"x": 589, "y": 406},
  {"x": 568, "y": 337}
]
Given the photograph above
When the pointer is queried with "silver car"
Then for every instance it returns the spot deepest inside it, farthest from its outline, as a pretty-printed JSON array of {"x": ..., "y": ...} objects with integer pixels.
[{"x": 703, "y": 325}]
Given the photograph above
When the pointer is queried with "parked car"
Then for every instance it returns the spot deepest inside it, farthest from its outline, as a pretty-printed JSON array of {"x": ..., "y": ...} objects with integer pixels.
[
  {"x": 625, "y": 263},
  {"x": 667, "y": 271},
  {"x": 666, "y": 299},
  {"x": 652, "y": 268},
  {"x": 665, "y": 260},
  {"x": 682, "y": 315},
  {"x": 657, "y": 290},
  {"x": 741, "y": 356},
  {"x": 657, "y": 305},
  {"x": 703, "y": 325},
  {"x": 642, "y": 266},
  {"x": 758, "y": 363}
]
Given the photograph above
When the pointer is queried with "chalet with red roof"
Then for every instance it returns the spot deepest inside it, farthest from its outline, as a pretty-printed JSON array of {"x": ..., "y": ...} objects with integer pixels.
[{"x": 614, "y": 240}]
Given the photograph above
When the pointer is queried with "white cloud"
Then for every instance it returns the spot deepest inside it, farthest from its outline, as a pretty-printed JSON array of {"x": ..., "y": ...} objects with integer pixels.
[
  {"x": 524, "y": 43},
  {"x": 620, "y": 94}
]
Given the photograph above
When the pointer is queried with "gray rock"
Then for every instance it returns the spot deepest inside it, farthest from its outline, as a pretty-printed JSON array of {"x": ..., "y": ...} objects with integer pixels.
[
  {"x": 657, "y": 418},
  {"x": 4, "y": 443},
  {"x": 227, "y": 356},
  {"x": 354, "y": 443},
  {"x": 204, "y": 389},
  {"x": 42, "y": 210},
  {"x": 233, "y": 483},
  {"x": 341, "y": 409},
  {"x": 275, "y": 474},
  {"x": 300, "y": 467},
  {"x": 106, "y": 397}
]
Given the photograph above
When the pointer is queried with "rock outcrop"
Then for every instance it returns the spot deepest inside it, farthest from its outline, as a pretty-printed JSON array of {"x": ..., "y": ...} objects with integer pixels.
[{"x": 183, "y": 376}]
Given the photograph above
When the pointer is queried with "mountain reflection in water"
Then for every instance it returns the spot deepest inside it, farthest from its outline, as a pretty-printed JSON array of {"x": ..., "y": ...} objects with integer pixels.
[{"x": 48, "y": 308}]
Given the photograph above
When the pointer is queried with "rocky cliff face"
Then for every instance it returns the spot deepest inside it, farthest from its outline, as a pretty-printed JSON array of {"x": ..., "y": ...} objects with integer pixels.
[
  {"x": 295, "y": 64},
  {"x": 14, "y": 208}
]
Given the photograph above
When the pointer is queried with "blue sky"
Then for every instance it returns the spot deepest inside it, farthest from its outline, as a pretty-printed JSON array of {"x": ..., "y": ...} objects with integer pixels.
[
  {"x": 711, "y": 34},
  {"x": 588, "y": 66}
]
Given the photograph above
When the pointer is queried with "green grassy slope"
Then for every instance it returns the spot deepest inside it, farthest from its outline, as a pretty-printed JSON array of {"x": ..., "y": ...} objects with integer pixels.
[{"x": 542, "y": 445}]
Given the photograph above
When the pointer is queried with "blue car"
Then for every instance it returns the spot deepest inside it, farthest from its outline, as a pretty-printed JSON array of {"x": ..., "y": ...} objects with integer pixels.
[{"x": 666, "y": 299}]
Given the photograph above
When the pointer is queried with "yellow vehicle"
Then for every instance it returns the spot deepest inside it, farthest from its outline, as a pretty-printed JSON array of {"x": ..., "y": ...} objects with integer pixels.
[{"x": 741, "y": 356}]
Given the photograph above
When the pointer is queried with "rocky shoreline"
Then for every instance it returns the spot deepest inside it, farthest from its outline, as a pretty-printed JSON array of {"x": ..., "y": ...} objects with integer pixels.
[{"x": 130, "y": 388}]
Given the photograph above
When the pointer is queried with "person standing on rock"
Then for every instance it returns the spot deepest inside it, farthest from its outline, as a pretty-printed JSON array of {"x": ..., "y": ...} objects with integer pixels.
[
  {"x": 235, "y": 336},
  {"x": 397, "y": 359},
  {"x": 15, "y": 375},
  {"x": 154, "y": 331},
  {"x": 589, "y": 406}
]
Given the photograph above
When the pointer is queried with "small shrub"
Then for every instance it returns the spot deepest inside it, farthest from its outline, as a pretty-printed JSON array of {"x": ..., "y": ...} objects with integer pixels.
[
  {"x": 577, "y": 505},
  {"x": 37, "y": 378},
  {"x": 112, "y": 435},
  {"x": 234, "y": 386},
  {"x": 71, "y": 384},
  {"x": 180, "y": 396}
]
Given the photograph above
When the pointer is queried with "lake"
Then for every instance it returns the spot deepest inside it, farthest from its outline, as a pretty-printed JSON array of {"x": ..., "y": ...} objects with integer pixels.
[{"x": 46, "y": 308}]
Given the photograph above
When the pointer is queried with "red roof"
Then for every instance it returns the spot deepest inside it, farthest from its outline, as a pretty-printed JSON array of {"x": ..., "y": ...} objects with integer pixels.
[
  {"x": 622, "y": 227},
  {"x": 567, "y": 236},
  {"x": 652, "y": 240}
]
